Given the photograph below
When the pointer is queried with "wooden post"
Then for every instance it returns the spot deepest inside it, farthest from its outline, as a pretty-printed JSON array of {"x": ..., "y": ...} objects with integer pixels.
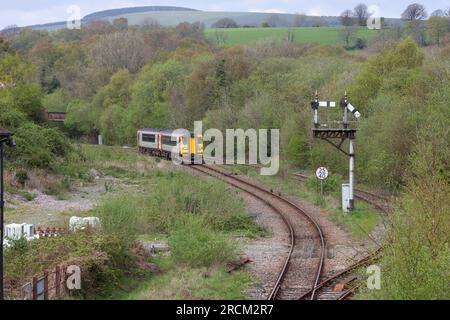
[
  {"x": 46, "y": 285},
  {"x": 57, "y": 281},
  {"x": 34, "y": 288},
  {"x": 63, "y": 278}
]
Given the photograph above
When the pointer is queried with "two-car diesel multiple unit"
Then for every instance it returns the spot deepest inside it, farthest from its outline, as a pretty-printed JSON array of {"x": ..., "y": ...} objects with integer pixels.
[{"x": 160, "y": 143}]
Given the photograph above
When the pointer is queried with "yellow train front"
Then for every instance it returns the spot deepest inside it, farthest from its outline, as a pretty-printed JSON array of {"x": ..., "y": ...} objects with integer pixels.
[{"x": 162, "y": 143}]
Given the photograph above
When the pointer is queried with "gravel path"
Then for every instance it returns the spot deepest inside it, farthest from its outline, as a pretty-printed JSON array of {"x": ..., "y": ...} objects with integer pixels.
[{"x": 267, "y": 254}]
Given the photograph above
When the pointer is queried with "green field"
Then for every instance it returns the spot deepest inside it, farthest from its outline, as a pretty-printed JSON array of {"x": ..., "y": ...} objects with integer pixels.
[{"x": 320, "y": 35}]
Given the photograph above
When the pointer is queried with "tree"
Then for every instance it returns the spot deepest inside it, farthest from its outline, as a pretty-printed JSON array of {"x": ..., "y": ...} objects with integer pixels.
[
  {"x": 150, "y": 24},
  {"x": 119, "y": 50},
  {"x": 437, "y": 26},
  {"x": 98, "y": 27},
  {"x": 416, "y": 29},
  {"x": 191, "y": 30},
  {"x": 437, "y": 13},
  {"x": 44, "y": 55},
  {"x": 5, "y": 46},
  {"x": 348, "y": 34},
  {"x": 414, "y": 11},
  {"x": 347, "y": 18},
  {"x": 225, "y": 23},
  {"x": 10, "y": 31},
  {"x": 276, "y": 20},
  {"x": 120, "y": 24},
  {"x": 300, "y": 20},
  {"x": 361, "y": 13}
]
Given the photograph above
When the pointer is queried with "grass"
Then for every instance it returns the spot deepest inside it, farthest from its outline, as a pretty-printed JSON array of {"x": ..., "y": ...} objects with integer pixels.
[
  {"x": 360, "y": 222},
  {"x": 184, "y": 283},
  {"x": 320, "y": 35},
  {"x": 200, "y": 221}
]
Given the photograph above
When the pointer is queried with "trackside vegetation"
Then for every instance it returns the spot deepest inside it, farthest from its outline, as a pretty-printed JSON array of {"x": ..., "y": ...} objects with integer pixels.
[
  {"x": 198, "y": 222},
  {"x": 112, "y": 78}
]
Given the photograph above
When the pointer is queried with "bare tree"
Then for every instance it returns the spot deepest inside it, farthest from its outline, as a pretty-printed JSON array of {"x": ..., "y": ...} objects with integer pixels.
[
  {"x": 347, "y": 18},
  {"x": 437, "y": 13},
  {"x": 119, "y": 50},
  {"x": 150, "y": 24},
  {"x": 10, "y": 30},
  {"x": 191, "y": 30},
  {"x": 361, "y": 13},
  {"x": 414, "y": 11}
]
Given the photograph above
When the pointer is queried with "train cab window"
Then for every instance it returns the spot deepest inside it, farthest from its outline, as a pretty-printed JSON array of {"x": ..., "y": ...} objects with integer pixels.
[{"x": 148, "y": 138}]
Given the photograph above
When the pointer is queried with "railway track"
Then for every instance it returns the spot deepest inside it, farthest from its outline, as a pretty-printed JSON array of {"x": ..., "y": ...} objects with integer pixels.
[
  {"x": 289, "y": 283},
  {"x": 299, "y": 275},
  {"x": 379, "y": 202},
  {"x": 340, "y": 286}
]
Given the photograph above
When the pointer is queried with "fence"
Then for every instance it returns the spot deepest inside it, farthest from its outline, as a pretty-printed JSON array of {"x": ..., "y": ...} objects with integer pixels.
[{"x": 49, "y": 285}]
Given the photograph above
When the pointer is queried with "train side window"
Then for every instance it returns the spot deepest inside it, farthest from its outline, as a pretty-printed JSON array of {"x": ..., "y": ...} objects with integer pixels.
[
  {"x": 148, "y": 138},
  {"x": 167, "y": 140}
]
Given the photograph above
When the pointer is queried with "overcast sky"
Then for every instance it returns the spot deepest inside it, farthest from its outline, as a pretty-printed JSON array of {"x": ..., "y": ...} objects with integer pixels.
[{"x": 29, "y": 12}]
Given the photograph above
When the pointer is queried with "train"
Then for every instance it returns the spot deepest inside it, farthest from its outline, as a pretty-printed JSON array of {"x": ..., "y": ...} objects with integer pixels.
[{"x": 160, "y": 143}]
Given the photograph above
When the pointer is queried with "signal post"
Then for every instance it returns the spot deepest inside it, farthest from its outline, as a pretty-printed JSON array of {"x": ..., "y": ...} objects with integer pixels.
[{"x": 331, "y": 134}]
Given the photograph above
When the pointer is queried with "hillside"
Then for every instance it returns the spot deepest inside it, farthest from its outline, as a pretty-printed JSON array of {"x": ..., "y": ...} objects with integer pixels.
[
  {"x": 170, "y": 16},
  {"x": 124, "y": 11}
]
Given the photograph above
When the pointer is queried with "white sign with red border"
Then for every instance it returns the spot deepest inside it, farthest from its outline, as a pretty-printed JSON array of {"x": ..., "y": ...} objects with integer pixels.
[{"x": 322, "y": 173}]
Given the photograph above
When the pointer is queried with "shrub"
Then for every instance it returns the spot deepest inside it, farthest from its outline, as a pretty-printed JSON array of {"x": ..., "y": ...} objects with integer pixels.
[
  {"x": 193, "y": 242},
  {"x": 360, "y": 43},
  {"x": 39, "y": 147},
  {"x": 102, "y": 258},
  {"x": 330, "y": 184},
  {"x": 22, "y": 176}
]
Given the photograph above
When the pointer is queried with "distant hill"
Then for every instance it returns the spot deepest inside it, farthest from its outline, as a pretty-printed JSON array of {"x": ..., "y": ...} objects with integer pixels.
[
  {"x": 124, "y": 11},
  {"x": 171, "y": 16}
]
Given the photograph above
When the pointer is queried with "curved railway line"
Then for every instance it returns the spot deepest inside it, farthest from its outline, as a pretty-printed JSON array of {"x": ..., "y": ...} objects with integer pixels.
[
  {"x": 298, "y": 275},
  {"x": 379, "y": 202},
  {"x": 290, "y": 283},
  {"x": 326, "y": 289}
]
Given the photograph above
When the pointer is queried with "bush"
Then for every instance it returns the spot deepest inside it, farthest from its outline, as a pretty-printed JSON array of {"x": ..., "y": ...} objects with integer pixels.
[
  {"x": 330, "y": 184},
  {"x": 102, "y": 258},
  {"x": 193, "y": 242},
  {"x": 21, "y": 176},
  {"x": 38, "y": 147},
  {"x": 360, "y": 44},
  {"x": 119, "y": 217}
]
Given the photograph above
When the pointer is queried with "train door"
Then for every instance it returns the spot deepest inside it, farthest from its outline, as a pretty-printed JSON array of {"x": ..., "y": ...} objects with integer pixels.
[
  {"x": 184, "y": 147},
  {"x": 199, "y": 146}
]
